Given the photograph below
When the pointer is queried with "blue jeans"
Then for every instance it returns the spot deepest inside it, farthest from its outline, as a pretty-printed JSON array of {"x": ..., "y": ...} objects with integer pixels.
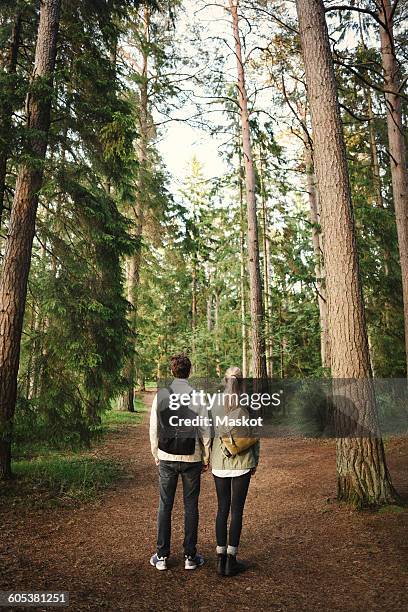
[{"x": 168, "y": 476}]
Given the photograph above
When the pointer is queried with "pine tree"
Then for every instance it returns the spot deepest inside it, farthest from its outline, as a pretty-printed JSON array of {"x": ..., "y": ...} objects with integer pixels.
[
  {"x": 256, "y": 303},
  {"x": 16, "y": 265},
  {"x": 362, "y": 473}
]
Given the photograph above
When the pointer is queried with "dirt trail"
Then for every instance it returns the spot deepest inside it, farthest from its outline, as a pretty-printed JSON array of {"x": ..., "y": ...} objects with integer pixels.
[{"x": 307, "y": 553}]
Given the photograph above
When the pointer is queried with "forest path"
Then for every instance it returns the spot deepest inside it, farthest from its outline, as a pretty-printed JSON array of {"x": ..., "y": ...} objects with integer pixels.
[{"x": 307, "y": 553}]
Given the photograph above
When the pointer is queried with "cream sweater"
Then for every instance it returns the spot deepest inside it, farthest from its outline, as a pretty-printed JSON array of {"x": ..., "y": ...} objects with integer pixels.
[{"x": 203, "y": 443}]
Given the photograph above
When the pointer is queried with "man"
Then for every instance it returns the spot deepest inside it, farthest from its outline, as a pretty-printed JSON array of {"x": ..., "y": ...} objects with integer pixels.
[{"x": 185, "y": 456}]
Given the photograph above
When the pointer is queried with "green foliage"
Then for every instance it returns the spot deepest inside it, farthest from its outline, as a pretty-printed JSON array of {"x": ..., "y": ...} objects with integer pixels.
[
  {"x": 79, "y": 330},
  {"x": 375, "y": 221},
  {"x": 114, "y": 418},
  {"x": 69, "y": 479},
  {"x": 77, "y": 335}
]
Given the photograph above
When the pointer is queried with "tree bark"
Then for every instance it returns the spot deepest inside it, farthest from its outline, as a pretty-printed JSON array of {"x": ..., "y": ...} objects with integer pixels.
[
  {"x": 209, "y": 312},
  {"x": 193, "y": 311},
  {"x": 17, "y": 257},
  {"x": 362, "y": 474},
  {"x": 375, "y": 164},
  {"x": 7, "y": 110},
  {"x": 318, "y": 253},
  {"x": 134, "y": 263},
  {"x": 132, "y": 280},
  {"x": 265, "y": 249},
  {"x": 242, "y": 266},
  {"x": 217, "y": 332},
  {"x": 283, "y": 341},
  {"x": 396, "y": 144},
  {"x": 255, "y": 284}
]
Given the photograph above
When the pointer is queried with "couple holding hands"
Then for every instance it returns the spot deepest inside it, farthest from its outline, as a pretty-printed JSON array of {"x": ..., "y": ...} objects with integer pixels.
[{"x": 178, "y": 452}]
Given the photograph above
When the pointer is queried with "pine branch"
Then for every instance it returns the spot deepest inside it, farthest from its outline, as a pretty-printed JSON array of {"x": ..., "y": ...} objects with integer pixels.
[{"x": 346, "y": 7}]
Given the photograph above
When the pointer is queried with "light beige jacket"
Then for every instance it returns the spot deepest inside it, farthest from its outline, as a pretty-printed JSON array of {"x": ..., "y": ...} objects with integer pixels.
[{"x": 203, "y": 443}]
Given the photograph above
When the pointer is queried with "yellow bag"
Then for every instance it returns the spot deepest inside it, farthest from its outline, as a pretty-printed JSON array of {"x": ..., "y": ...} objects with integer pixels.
[{"x": 236, "y": 445}]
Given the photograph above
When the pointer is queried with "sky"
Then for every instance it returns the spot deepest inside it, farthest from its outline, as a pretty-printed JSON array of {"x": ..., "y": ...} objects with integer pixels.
[{"x": 180, "y": 141}]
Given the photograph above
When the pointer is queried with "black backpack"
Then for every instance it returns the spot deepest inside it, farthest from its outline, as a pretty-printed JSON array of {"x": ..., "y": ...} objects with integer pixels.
[{"x": 174, "y": 439}]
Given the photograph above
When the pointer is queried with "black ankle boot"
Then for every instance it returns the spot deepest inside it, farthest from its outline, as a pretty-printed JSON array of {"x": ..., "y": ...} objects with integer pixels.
[
  {"x": 232, "y": 566},
  {"x": 221, "y": 561}
]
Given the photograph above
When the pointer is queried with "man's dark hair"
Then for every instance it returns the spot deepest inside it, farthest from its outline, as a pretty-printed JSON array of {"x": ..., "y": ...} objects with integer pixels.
[{"x": 180, "y": 366}]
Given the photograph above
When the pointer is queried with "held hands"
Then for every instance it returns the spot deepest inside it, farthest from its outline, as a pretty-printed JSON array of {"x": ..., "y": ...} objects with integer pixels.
[{"x": 205, "y": 467}]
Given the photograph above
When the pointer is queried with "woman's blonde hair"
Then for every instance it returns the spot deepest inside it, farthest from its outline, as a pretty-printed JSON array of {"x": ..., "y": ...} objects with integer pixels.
[{"x": 233, "y": 380}]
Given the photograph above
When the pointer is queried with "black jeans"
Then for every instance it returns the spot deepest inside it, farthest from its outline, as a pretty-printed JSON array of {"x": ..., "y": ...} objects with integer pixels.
[
  {"x": 168, "y": 476},
  {"x": 231, "y": 494}
]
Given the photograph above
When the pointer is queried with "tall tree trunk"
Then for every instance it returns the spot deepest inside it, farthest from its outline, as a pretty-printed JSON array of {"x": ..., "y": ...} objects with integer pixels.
[
  {"x": 255, "y": 284},
  {"x": 362, "y": 474},
  {"x": 283, "y": 344},
  {"x": 30, "y": 361},
  {"x": 268, "y": 307},
  {"x": 396, "y": 144},
  {"x": 265, "y": 250},
  {"x": 242, "y": 267},
  {"x": 379, "y": 200},
  {"x": 217, "y": 333},
  {"x": 17, "y": 257},
  {"x": 7, "y": 110},
  {"x": 375, "y": 164},
  {"x": 193, "y": 311},
  {"x": 132, "y": 280},
  {"x": 134, "y": 263},
  {"x": 209, "y": 312},
  {"x": 318, "y": 252}
]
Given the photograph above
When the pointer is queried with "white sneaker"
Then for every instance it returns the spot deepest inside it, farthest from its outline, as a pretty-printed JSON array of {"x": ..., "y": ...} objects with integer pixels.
[
  {"x": 160, "y": 563},
  {"x": 191, "y": 563}
]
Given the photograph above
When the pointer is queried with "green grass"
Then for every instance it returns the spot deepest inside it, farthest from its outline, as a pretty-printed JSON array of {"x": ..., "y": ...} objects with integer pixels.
[
  {"x": 62, "y": 478},
  {"x": 31, "y": 445},
  {"x": 54, "y": 474},
  {"x": 114, "y": 419},
  {"x": 151, "y": 385},
  {"x": 120, "y": 416},
  {"x": 30, "y": 449}
]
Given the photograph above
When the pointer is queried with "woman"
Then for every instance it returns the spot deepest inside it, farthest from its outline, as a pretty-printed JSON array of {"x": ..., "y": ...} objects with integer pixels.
[{"x": 232, "y": 475}]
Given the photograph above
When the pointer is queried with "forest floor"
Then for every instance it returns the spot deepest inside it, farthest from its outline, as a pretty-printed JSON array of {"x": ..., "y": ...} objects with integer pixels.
[{"x": 306, "y": 552}]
